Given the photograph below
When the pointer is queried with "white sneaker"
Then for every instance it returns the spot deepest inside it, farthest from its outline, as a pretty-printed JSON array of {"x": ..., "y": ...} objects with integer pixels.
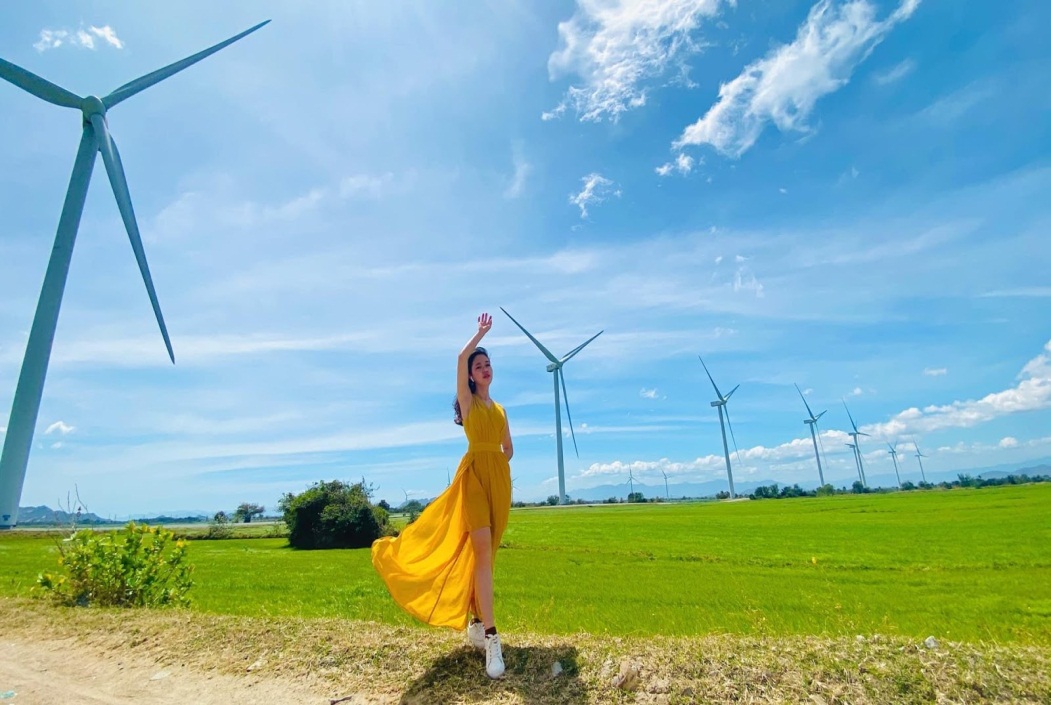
[
  {"x": 494, "y": 657},
  {"x": 476, "y": 635}
]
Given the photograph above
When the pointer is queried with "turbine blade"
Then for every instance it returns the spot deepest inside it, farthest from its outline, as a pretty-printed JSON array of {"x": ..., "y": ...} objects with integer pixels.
[
  {"x": 569, "y": 416},
  {"x": 804, "y": 402},
  {"x": 820, "y": 415},
  {"x": 852, "y": 424},
  {"x": 731, "y": 393},
  {"x": 717, "y": 392},
  {"x": 142, "y": 83},
  {"x": 731, "y": 427},
  {"x": 529, "y": 335},
  {"x": 569, "y": 355},
  {"x": 41, "y": 88},
  {"x": 115, "y": 170}
]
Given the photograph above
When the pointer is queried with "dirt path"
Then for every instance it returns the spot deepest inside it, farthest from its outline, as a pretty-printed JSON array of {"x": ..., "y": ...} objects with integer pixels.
[{"x": 65, "y": 671}]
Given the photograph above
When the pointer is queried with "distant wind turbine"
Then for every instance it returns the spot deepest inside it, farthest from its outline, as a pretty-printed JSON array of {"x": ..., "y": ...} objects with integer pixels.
[
  {"x": 894, "y": 457},
  {"x": 919, "y": 458},
  {"x": 812, "y": 423},
  {"x": 631, "y": 484},
  {"x": 95, "y": 138},
  {"x": 854, "y": 448},
  {"x": 555, "y": 368},
  {"x": 720, "y": 403},
  {"x": 667, "y": 492},
  {"x": 857, "y": 446}
]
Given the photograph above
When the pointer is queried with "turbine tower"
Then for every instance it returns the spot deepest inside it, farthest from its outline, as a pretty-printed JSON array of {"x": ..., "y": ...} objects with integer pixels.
[
  {"x": 95, "y": 138},
  {"x": 812, "y": 423},
  {"x": 919, "y": 458},
  {"x": 854, "y": 449},
  {"x": 555, "y": 368},
  {"x": 894, "y": 456},
  {"x": 667, "y": 492},
  {"x": 857, "y": 446},
  {"x": 631, "y": 484},
  {"x": 720, "y": 403}
]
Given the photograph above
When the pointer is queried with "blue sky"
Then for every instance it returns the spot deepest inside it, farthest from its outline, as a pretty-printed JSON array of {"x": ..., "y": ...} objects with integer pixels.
[{"x": 850, "y": 196}]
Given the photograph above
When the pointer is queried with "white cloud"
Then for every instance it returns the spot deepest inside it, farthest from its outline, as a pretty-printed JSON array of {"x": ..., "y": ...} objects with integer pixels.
[
  {"x": 744, "y": 280},
  {"x": 1032, "y": 292},
  {"x": 1033, "y": 392},
  {"x": 895, "y": 73},
  {"x": 783, "y": 190},
  {"x": 107, "y": 34},
  {"x": 683, "y": 164},
  {"x": 59, "y": 427},
  {"x": 366, "y": 186},
  {"x": 80, "y": 38},
  {"x": 522, "y": 171},
  {"x": 597, "y": 189},
  {"x": 615, "y": 46},
  {"x": 856, "y": 392},
  {"x": 935, "y": 371},
  {"x": 784, "y": 86},
  {"x": 648, "y": 393},
  {"x": 1008, "y": 442}
]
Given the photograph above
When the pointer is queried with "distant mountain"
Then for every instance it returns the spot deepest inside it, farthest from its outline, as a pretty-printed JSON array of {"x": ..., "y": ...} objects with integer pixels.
[{"x": 46, "y": 516}]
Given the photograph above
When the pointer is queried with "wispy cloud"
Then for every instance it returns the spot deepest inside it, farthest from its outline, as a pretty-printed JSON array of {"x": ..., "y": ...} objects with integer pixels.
[
  {"x": 59, "y": 427},
  {"x": 935, "y": 371},
  {"x": 1032, "y": 392},
  {"x": 614, "y": 47},
  {"x": 895, "y": 73},
  {"x": 522, "y": 170},
  {"x": 784, "y": 86},
  {"x": 950, "y": 108},
  {"x": 597, "y": 189},
  {"x": 1032, "y": 292},
  {"x": 683, "y": 164},
  {"x": 79, "y": 38},
  {"x": 1008, "y": 442}
]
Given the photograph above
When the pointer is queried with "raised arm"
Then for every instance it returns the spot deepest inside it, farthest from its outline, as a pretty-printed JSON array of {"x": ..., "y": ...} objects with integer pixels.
[{"x": 463, "y": 390}]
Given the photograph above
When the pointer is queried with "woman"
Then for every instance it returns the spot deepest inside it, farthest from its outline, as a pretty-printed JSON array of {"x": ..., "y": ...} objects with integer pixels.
[{"x": 440, "y": 569}]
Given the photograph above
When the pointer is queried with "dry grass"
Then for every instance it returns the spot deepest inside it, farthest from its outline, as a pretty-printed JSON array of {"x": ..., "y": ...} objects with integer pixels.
[{"x": 387, "y": 664}]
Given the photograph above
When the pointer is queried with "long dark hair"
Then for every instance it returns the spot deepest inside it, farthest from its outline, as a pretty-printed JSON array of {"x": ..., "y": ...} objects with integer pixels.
[{"x": 458, "y": 419}]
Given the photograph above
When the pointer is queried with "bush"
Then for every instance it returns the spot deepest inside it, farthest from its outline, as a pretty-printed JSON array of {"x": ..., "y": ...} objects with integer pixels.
[
  {"x": 219, "y": 527},
  {"x": 826, "y": 490},
  {"x": 333, "y": 515},
  {"x": 138, "y": 566}
]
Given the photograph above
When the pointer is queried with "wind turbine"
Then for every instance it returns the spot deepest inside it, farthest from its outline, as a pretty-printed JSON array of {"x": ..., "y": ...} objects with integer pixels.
[
  {"x": 919, "y": 458},
  {"x": 667, "y": 492},
  {"x": 719, "y": 404},
  {"x": 812, "y": 423},
  {"x": 854, "y": 448},
  {"x": 95, "y": 138},
  {"x": 857, "y": 446},
  {"x": 555, "y": 368},
  {"x": 894, "y": 457},
  {"x": 631, "y": 485}
]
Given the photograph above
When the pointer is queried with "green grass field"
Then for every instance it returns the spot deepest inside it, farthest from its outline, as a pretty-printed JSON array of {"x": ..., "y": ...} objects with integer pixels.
[{"x": 963, "y": 565}]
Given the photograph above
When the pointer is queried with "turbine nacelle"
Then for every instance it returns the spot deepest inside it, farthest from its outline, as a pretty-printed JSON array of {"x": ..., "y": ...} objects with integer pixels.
[{"x": 92, "y": 105}]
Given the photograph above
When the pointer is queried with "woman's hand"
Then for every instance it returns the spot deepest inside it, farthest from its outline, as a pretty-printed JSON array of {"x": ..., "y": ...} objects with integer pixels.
[{"x": 485, "y": 322}]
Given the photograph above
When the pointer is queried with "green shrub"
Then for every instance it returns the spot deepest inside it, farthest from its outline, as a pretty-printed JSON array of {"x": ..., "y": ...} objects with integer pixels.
[
  {"x": 219, "y": 527},
  {"x": 137, "y": 566},
  {"x": 333, "y": 515}
]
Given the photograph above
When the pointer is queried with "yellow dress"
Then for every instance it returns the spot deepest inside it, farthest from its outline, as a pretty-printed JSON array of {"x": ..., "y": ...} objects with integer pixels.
[{"x": 429, "y": 568}]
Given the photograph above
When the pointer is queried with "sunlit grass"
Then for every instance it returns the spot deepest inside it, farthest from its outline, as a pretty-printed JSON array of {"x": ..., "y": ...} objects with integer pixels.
[{"x": 964, "y": 565}]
